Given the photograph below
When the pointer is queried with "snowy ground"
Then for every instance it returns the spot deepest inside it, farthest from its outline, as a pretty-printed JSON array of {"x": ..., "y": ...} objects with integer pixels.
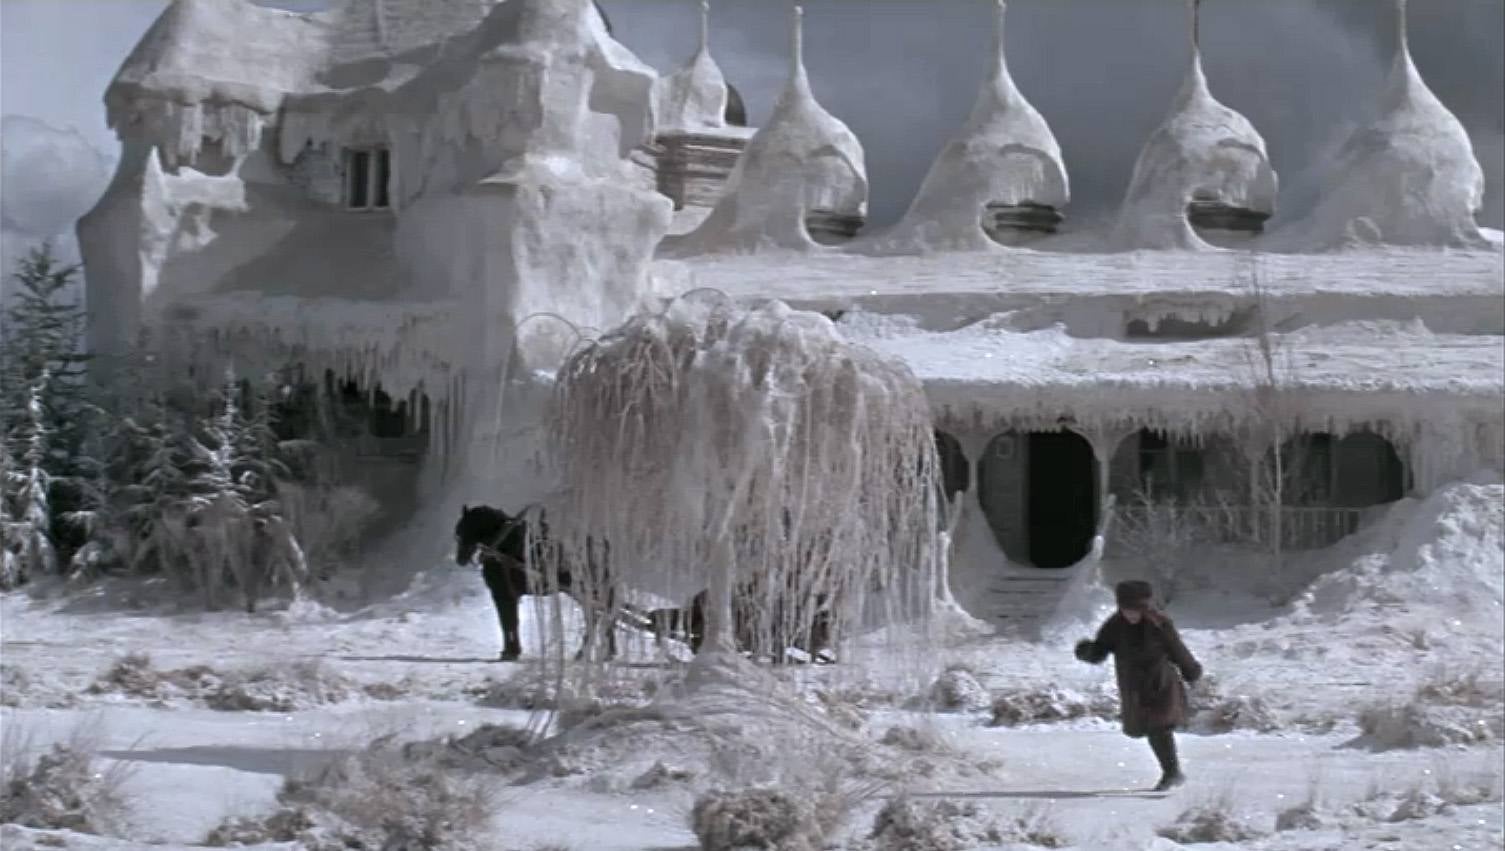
[{"x": 1412, "y": 601}]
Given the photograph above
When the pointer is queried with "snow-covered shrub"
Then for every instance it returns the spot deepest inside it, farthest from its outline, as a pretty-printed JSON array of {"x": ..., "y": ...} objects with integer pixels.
[
  {"x": 761, "y": 817},
  {"x": 1047, "y": 704},
  {"x": 1414, "y": 724},
  {"x": 13, "y": 684},
  {"x": 905, "y": 824},
  {"x": 659, "y": 775},
  {"x": 279, "y": 688},
  {"x": 380, "y": 798},
  {"x": 1308, "y": 814},
  {"x": 914, "y": 739},
  {"x": 64, "y": 788},
  {"x": 1302, "y": 816},
  {"x": 1212, "y": 710},
  {"x": 489, "y": 747},
  {"x": 957, "y": 689},
  {"x": 1213, "y": 820},
  {"x": 524, "y": 691},
  {"x": 1462, "y": 688}
]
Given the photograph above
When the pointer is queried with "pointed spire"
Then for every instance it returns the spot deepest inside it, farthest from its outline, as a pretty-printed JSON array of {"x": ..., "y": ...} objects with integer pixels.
[
  {"x": 705, "y": 25},
  {"x": 799, "y": 80},
  {"x": 1401, "y": 34},
  {"x": 1196, "y": 78},
  {"x": 797, "y": 43},
  {"x": 1000, "y": 65},
  {"x": 1403, "y": 74}
]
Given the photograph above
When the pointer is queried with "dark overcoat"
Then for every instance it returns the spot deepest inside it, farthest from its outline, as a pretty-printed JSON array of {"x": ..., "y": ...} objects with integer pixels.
[{"x": 1151, "y": 664}]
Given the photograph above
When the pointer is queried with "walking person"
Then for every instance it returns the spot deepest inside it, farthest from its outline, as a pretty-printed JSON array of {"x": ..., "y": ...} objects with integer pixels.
[{"x": 1150, "y": 663}]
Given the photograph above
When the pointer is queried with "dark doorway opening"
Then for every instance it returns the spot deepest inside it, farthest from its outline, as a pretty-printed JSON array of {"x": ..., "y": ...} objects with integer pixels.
[{"x": 1062, "y": 498}]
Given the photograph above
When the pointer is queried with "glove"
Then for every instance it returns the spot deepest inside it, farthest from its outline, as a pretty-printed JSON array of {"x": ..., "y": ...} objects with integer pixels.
[{"x": 1084, "y": 650}]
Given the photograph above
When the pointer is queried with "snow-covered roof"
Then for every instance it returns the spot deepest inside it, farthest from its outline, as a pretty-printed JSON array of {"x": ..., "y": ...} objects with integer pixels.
[
  {"x": 695, "y": 96},
  {"x": 1412, "y": 275},
  {"x": 224, "y": 69},
  {"x": 1004, "y": 154},
  {"x": 803, "y": 159},
  {"x": 1410, "y": 178},
  {"x": 1204, "y": 151},
  {"x": 1338, "y": 376}
]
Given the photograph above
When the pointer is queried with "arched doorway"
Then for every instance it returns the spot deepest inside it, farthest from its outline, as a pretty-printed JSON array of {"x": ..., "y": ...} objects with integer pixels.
[
  {"x": 1329, "y": 480},
  {"x": 1359, "y": 470},
  {"x": 1038, "y": 491}
]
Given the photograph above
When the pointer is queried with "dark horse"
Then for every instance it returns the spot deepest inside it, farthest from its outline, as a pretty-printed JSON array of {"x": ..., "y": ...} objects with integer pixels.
[{"x": 511, "y": 570}]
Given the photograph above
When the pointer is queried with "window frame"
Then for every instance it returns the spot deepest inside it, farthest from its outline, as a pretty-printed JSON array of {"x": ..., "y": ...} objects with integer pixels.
[{"x": 377, "y": 191}]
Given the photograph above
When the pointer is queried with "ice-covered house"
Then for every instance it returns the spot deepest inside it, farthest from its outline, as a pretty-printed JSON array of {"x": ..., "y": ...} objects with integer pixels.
[{"x": 429, "y": 198}]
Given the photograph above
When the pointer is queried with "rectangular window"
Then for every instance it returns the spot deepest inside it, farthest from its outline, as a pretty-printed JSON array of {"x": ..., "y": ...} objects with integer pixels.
[{"x": 367, "y": 175}]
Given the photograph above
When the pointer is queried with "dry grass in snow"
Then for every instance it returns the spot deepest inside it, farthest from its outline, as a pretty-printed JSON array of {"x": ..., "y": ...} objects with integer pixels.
[
  {"x": 1049, "y": 704},
  {"x": 64, "y": 787},
  {"x": 1450, "y": 708},
  {"x": 279, "y": 688},
  {"x": 1214, "y": 819},
  {"x": 384, "y": 797}
]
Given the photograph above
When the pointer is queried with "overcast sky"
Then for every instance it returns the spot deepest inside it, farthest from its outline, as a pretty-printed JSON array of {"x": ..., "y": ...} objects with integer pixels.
[{"x": 903, "y": 73}]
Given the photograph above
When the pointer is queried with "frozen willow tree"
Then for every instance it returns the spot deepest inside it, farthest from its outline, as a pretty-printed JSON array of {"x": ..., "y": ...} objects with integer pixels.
[{"x": 758, "y": 456}]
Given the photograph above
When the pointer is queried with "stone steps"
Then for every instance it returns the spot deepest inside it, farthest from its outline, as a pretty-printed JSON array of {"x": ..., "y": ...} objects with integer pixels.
[{"x": 1021, "y": 599}]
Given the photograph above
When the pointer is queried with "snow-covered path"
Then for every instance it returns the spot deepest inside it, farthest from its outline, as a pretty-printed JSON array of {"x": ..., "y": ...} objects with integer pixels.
[{"x": 1413, "y": 601}]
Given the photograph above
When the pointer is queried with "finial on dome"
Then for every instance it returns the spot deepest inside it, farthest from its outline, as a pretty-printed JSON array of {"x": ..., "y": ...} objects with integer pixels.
[
  {"x": 797, "y": 41},
  {"x": 1402, "y": 44},
  {"x": 998, "y": 31},
  {"x": 705, "y": 24}
]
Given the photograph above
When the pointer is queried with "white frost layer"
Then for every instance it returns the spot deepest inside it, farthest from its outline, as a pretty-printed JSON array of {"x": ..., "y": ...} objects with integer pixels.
[
  {"x": 1027, "y": 272},
  {"x": 1439, "y": 393},
  {"x": 1205, "y": 152},
  {"x": 1005, "y": 154},
  {"x": 1410, "y": 178},
  {"x": 802, "y": 160},
  {"x": 694, "y": 97}
]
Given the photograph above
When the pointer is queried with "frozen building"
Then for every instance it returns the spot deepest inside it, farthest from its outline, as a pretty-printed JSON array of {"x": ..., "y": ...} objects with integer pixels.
[{"x": 418, "y": 201}]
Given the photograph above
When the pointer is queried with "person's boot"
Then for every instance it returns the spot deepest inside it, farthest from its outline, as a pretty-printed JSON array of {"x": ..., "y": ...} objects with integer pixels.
[
  {"x": 1170, "y": 781},
  {"x": 1164, "y": 746}
]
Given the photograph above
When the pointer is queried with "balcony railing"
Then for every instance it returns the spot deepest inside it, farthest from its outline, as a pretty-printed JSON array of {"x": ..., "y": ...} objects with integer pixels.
[{"x": 1141, "y": 527}]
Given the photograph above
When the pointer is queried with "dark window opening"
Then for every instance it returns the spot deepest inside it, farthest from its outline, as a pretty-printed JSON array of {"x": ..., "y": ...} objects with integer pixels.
[
  {"x": 368, "y": 174},
  {"x": 1170, "y": 470},
  {"x": 1360, "y": 470},
  {"x": 1176, "y": 328}
]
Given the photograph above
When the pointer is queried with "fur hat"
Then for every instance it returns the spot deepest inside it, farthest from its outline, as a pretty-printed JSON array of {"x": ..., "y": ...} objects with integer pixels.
[{"x": 1133, "y": 594}]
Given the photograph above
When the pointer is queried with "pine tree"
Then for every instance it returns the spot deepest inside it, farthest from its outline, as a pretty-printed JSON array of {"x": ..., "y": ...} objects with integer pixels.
[
  {"x": 43, "y": 365},
  {"x": 12, "y": 532},
  {"x": 29, "y": 530},
  {"x": 153, "y": 462}
]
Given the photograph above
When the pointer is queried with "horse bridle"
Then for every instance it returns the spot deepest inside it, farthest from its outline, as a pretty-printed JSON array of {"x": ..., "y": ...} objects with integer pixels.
[{"x": 490, "y": 550}]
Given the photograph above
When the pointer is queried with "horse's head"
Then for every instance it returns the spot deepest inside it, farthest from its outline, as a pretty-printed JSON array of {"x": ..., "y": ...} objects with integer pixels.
[{"x": 479, "y": 525}]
